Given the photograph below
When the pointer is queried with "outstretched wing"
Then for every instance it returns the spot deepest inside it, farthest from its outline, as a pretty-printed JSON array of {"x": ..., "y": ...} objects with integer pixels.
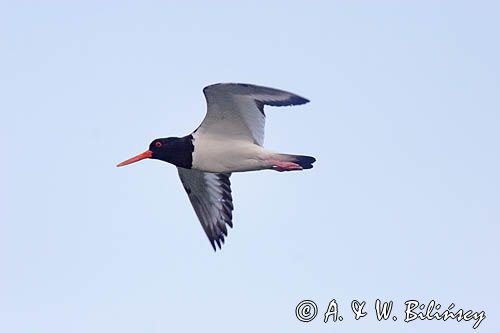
[
  {"x": 236, "y": 110},
  {"x": 210, "y": 195}
]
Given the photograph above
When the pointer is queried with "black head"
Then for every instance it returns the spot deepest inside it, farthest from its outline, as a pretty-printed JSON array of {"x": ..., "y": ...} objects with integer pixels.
[
  {"x": 177, "y": 151},
  {"x": 159, "y": 148}
]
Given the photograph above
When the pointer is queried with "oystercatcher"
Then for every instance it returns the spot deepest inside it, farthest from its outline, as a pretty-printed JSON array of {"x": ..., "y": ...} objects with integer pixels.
[{"x": 230, "y": 139}]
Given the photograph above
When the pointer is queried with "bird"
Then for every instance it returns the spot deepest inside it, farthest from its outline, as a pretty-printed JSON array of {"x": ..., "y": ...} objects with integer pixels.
[{"x": 229, "y": 139}]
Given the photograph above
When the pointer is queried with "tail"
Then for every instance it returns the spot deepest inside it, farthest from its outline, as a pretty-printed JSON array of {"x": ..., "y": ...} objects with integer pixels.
[{"x": 306, "y": 162}]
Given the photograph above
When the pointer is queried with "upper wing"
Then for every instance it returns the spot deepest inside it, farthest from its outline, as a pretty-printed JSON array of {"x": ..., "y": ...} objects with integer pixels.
[
  {"x": 236, "y": 110},
  {"x": 210, "y": 195}
]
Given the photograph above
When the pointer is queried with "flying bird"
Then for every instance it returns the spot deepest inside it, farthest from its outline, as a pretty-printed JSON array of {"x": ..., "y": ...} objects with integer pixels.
[{"x": 229, "y": 139}]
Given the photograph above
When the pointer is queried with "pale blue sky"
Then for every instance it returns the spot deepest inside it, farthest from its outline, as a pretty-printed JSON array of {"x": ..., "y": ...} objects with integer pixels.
[{"x": 402, "y": 204}]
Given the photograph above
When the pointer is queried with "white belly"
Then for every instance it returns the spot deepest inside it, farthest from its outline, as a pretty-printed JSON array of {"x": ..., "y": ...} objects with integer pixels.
[{"x": 222, "y": 156}]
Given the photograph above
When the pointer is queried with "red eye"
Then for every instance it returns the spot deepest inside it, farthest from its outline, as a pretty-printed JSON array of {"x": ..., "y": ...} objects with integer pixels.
[{"x": 158, "y": 144}]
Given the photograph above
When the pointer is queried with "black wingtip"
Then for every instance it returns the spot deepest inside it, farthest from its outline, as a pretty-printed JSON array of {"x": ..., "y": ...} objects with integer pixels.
[
  {"x": 297, "y": 100},
  {"x": 291, "y": 100}
]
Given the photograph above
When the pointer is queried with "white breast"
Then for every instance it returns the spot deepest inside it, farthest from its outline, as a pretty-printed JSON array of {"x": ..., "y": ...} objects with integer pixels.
[{"x": 220, "y": 155}]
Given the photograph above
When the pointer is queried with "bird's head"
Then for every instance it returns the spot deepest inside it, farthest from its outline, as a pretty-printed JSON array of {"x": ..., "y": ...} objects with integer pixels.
[{"x": 158, "y": 149}]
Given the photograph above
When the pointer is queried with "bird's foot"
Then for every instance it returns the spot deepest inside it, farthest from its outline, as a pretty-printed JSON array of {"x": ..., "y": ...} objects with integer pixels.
[{"x": 285, "y": 166}]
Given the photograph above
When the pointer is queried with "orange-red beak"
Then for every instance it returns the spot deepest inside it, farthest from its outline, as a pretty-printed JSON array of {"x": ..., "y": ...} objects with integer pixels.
[{"x": 146, "y": 154}]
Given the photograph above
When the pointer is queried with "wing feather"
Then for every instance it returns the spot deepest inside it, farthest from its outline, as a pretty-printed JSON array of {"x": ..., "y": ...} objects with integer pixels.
[
  {"x": 210, "y": 196},
  {"x": 236, "y": 110}
]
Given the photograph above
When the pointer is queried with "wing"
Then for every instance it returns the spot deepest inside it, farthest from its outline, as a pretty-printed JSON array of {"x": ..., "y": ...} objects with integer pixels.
[
  {"x": 236, "y": 110},
  {"x": 210, "y": 195}
]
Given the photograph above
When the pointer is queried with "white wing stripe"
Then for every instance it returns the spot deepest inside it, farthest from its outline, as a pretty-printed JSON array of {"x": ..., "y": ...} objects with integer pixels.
[
  {"x": 210, "y": 196},
  {"x": 237, "y": 109}
]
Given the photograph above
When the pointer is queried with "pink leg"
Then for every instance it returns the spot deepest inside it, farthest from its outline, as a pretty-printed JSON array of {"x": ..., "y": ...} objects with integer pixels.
[{"x": 285, "y": 166}]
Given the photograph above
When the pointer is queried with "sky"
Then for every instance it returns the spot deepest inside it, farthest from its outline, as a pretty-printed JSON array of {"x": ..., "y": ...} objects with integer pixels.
[{"x": 402, "y": 203}]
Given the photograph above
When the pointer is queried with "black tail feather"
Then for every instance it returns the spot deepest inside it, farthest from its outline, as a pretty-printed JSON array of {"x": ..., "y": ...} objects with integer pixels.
[{"x": 306, "y": 162}]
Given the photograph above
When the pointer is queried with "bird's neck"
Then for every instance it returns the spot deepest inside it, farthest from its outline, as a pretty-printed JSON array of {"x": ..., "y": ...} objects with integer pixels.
[{"x": 180, "y": 152}]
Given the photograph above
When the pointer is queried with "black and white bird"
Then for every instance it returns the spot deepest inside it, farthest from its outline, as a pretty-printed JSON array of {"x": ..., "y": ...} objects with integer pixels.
[{"x": 230, "y": 139}]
